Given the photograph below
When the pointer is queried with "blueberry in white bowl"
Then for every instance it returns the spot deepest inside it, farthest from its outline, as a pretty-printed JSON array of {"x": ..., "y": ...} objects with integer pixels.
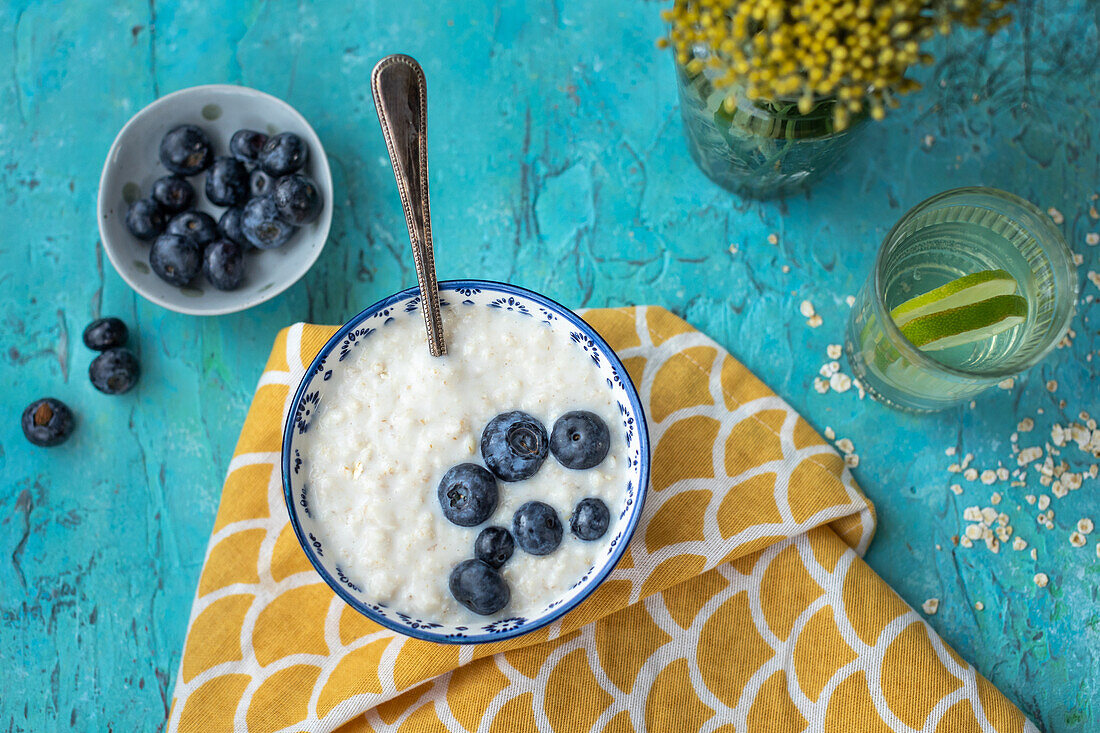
[
  {"x": 227, "y": 182},
  {"x": 186, "y": 150},
  {"x": 173, "y": 193},
  {"x": 245, "y": 145},
  {"x": 223, "y": 264},
  {"x": 175, "y": 258},
  {"x": 145, "y": 219},
  {"x": 297, "y": 199},
  {"x": 196, "y": 225},
  {"x": 283, "y": 154}
]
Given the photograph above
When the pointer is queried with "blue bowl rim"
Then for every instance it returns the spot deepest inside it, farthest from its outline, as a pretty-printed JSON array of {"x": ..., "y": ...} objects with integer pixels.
[{"x": 599, "y": 577}]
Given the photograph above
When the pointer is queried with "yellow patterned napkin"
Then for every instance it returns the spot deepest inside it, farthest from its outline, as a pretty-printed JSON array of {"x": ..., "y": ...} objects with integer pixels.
[{"x": 741, "y": 605}]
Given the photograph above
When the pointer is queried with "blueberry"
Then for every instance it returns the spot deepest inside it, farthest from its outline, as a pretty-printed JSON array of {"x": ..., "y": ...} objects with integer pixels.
[
  {"x": 223, "y": 264},
  {"x": 114, "y": 371},
  {"x": 467, "y": 494},
  {"x": 227, "y": 182},
  {"x": 590, "y": 519},
  {"x": 580, "y": 440},
  {"x": 175, "y": 259},
  {"x": 537, "y": 528},
  {"x": 479, "y": 587},
  {"x": 262, "y": 226},
  {"x": 173, "y": 193},
  {"x": 260, "y": 183},
  {"x": 105, "y": 333},
  {"x": 186, "y": 150},
  {"x": 514, "y": 445},
  {"x": 283, "y": 154},
  {"x": 229, "y": 227},
  {"x": 145, "y": 219},
  {"x": 245, "y": 145},
  {"x": 196, "y": 225},
  {"x": 493, "y": 546},
  {"x": 297, "y": 198},
  {"x": 47, "y": 422}
]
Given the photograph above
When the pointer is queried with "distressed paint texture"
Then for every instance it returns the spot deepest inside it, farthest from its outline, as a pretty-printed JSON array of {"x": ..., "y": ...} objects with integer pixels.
[{"x": 557, "y": 163}]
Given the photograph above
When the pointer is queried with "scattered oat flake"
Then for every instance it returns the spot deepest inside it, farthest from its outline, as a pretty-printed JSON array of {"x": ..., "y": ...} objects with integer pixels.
[
  {"x": 974, "y": 531},
  {"x": 1092, "y": 238},
  {"x": 949, "y": 451},
  {"x": 1019, "y": 544},
  {"x": 954, "y": 468},
  {"x": 979, "y": 606},
  {"x": 989, "y": 515},
  {"x": 970, "y": 474},
  {"x": 1052, "y": 385},
  {"x": 1056, "y": 215},
  {"x": 956, "y": 489},
  {"x": 785, "y": 269},
  {"x": 965, "y": 542},
  {"x": 1085, "y": 525},
  {"x": 1094, "y": 277},
  {"x": 1027, "y": 455},
  {"x": 733, "y": 248},
  {"x": 845, "y": 445},
  {"x": 1026, "y": 425},
  {"x": 806, "y": 308},
  {"x": 972, "y": 514},
  {"x": 850, "y": 300},
  {"x": 840, "y": 382},
  {"x": 1034, "y": 554},
  {"x": 851, "y": 460},
  {"x": 1030, "y": 498},
  {"x": 834, "y": 351},
  {"x": 814, "y": 321},
  {"x": 829, "y": 433},
  {"x": 995, "y": 499},
  {"x": 1044, "y": 502},
  {"x": 1098, "y": 549},
  {"x": 1002, "y": 473},
  {"x": 820, "y": 385},
  {"x": 931, "y": 606},
  {"x": 1077, "y": 539},
  {"x": 1007, "y": 383},
  {"x": 1041, "y": 580},
  {"x": 989, "y": 476},
  {"x": 773, "y": 239}
]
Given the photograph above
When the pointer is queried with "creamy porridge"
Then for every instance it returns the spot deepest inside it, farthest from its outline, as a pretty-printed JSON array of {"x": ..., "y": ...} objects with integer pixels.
[{"x": 400, "y": 420}]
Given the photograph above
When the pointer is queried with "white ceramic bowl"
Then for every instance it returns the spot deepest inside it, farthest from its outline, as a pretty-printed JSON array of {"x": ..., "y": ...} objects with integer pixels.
[
  {"x": 316, "y": 390},
  {"x": 133, "y": 164}
]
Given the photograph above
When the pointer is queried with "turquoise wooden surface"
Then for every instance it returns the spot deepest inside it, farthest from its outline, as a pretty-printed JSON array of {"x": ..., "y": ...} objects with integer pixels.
[{"x": 556, "y": 163}]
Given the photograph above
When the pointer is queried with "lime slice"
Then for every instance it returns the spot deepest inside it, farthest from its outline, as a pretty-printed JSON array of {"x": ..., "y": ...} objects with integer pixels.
[
  {"x": 963, "y": 291},
  {"x": 966, "y": 324}
]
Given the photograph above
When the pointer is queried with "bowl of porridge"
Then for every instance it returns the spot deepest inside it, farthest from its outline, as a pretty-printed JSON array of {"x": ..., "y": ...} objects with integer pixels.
[{"x": 471, "y": 497}]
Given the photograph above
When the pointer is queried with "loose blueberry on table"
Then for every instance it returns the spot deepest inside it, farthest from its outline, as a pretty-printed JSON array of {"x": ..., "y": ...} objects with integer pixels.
[
  {"x": 590, "y": 519},
  {"x": 536, "y": 528},
  {"x": 47, "y": 422},
  {"x": 175, "y": 259},
  {"x": 229, "y": 227},
  {"x": 145, "y": 219},
  {"x": 196, "y": 225},
  {"x": 479, "y": 587},
  {"x": 227, "y": 182},
  {"x": 186, "y": 150},
  {"x": 467, "y": 494},
  {"x": 105, "y": 333},
  {"x": 493, "y": 546},
  {"x": 514, "y": 445},
  {"x": 283, "y": 154},
  {"x": 173, "y": 193},
  {"x": 580, "y": 440},
  {"x": 297, "y": 198},
  {"x": 262, "y": 226},
  {"x": 245, "y": 145},
  {"x": 114, "y": 371},
  {"x": 223, "y": 264}
]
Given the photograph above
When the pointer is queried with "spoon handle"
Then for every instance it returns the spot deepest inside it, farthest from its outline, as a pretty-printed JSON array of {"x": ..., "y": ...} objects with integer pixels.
[{"x": 400, "y": 98}]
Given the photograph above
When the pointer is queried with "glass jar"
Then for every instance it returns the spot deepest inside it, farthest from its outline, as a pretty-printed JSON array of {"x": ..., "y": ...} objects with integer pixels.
[{"x": 762, "y": 149}]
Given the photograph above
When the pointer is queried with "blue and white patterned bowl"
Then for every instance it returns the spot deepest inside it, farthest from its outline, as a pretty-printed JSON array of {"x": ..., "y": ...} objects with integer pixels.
[{"x": 314, "y": 391}]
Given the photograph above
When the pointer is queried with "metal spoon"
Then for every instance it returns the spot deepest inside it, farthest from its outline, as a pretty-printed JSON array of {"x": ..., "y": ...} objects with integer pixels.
[{"x": 400, "y": 98}]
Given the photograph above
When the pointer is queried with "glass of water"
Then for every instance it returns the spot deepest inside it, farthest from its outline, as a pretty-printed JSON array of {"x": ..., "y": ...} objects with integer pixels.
[{"x": 970, "y": 287}]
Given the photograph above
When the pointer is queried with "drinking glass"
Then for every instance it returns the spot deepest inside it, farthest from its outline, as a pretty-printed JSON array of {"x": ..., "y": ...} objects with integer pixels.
[{"x": 953, "y": 234}]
